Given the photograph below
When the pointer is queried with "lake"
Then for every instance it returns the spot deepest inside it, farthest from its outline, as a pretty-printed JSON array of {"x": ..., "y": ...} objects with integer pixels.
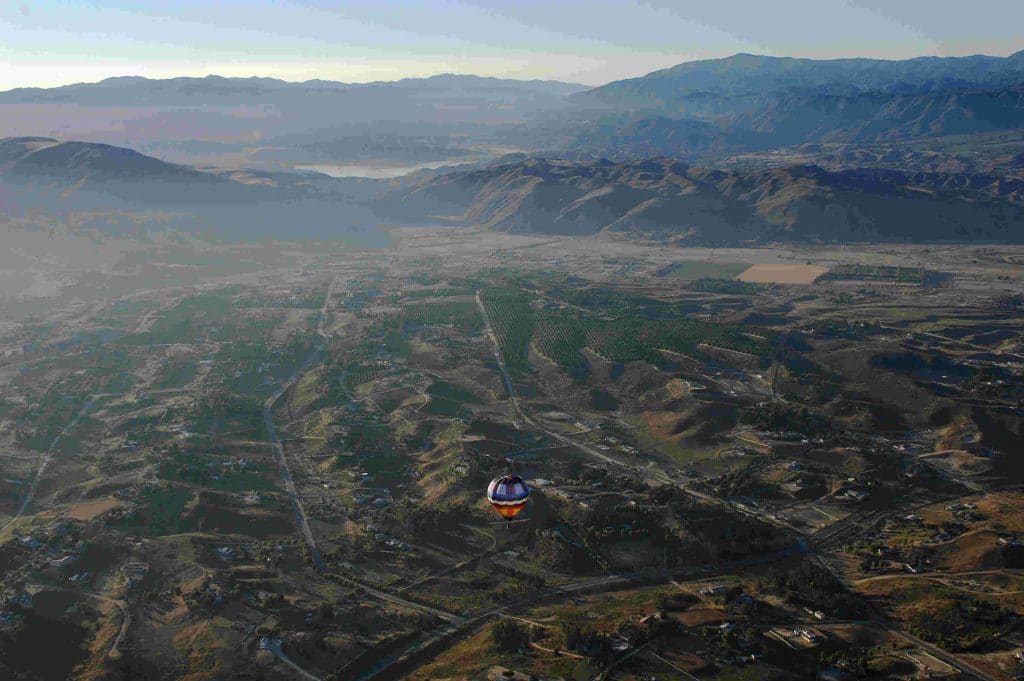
[{"x": 374, "y": 171}]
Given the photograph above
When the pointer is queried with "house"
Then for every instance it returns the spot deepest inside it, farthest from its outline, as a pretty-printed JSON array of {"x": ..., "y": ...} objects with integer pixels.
[
  {"x": 62, "y": 561},
  {"x": 810, "y": 636},
  {"x": 855, "y": 494}
]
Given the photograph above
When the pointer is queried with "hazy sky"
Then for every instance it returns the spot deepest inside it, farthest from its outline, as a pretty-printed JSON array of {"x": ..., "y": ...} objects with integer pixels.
[{"x": 51, "y": 42}]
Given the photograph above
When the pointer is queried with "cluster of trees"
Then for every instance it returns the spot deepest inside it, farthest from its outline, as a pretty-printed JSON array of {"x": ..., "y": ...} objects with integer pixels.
[
  {"x": 731, "y": 286},
  {"x": 963, "y": 623},
  {"x": 562, "y": 335},
  {"x": 513, "y": 320},
  {"x": 833, "y": 327},
  {"x": 812, "y": 586},
  {"x": 463, "y": 314},
  {"x": 414, "y": 518},
  {"x": 510, "y": 635},
  {"x": 785, "y": 417}
]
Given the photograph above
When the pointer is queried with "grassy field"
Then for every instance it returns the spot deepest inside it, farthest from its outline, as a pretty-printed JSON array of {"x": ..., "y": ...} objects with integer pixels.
[{"x": 691, "y": 270}]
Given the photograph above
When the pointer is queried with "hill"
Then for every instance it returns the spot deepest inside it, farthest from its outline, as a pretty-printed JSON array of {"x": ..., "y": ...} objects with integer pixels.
[
  {"x": 117, "y": 191},
  {"x": 35, "y": 158},
  {"x": 670, "y": 200}
]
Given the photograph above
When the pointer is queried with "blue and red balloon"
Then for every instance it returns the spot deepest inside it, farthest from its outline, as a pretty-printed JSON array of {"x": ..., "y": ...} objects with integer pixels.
[{"x": 508, "y": 494}]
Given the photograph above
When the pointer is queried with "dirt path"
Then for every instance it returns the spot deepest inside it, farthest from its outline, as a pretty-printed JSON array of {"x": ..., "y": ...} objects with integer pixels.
[{"x": 946, "y": 579}]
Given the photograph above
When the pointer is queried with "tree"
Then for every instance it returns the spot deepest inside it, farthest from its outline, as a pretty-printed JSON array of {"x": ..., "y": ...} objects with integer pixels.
[{"x": 510, "y": 635}]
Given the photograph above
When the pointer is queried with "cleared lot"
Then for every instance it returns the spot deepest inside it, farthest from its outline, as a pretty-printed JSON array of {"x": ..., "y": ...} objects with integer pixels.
[{"x": 782, "y": 274}]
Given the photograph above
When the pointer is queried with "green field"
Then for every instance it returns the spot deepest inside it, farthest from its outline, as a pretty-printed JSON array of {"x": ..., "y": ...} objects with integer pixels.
[
  {"x": 691, "y": 270},
  {"x": 562, "y": 335}
]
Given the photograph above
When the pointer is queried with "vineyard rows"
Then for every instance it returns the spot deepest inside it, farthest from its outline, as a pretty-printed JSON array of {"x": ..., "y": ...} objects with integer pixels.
[
  {"x": 464, "y": 314},
  {"x": 561, "y": 336}
]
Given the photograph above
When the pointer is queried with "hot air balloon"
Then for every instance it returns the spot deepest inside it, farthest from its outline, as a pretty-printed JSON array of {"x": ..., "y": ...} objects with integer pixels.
[{"x": 508, "y": 494}]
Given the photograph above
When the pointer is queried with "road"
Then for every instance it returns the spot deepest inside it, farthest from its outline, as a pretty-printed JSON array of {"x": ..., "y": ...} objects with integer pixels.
[
  {"x": 939, "y": 653},
  {"x": 323, "y": 310},
  {"x": 282, "y": 463},
  {"x": 685, "y": 674},
  {"x": 49, "y": 457},
  {"x": 457, "y": 566},
  {"x": 397, "y": 600},
  {"x": 521, "y": 415},
  {"x": 274, "y": 648},
  {"x": 126, "y": 620},
  {"x": 879, "y": 621},
  {"x": 279, "y": 454}
]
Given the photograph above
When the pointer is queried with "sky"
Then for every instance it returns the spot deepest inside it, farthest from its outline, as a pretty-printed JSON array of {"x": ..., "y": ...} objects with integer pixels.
[{"x": 45, "y": 43}]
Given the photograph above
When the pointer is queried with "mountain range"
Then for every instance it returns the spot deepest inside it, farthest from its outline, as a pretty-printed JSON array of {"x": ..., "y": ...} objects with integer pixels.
[
  {"x": 710, "y": 108},
  {"x": 696, "y": 110},
  {"x": 670, "y": 200},
  {"x": 225, "y": 120},
  {"x": 743, "y": 149}
]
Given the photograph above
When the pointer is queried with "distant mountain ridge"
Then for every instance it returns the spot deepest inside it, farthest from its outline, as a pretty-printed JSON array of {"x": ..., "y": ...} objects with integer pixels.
[
  {"x": 705, "y": 109},
  {"x": 256, "y": 110},
  {"x": 747, "y": 74},
  {"x": 696, "y": 110},
  {"x": 122, "y": 90}
]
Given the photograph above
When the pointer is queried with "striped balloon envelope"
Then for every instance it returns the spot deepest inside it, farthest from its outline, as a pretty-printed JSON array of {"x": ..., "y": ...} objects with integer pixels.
[{"x": 508, "y": 495}]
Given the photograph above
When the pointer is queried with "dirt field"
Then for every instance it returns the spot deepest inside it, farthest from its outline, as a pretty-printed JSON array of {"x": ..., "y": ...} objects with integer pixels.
[
  {"x": 782, "y": 274},
  {"x": 93, "y": 509},
  {"x": 696, "y": 617}
]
